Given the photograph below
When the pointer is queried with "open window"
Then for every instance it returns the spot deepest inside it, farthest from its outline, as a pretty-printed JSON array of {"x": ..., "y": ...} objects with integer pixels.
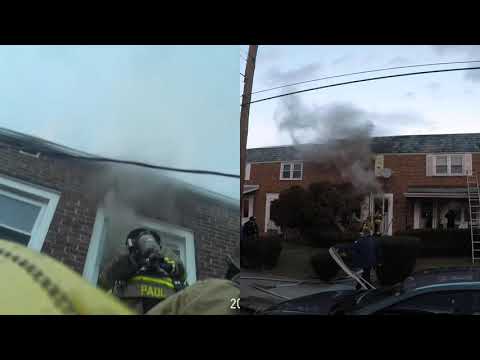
[{"x": 108, "y": 239}]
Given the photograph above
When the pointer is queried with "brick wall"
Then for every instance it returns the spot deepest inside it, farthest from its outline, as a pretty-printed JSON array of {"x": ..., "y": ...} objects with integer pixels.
[
  {"x": 408, "y": 171},
  {"x": 267, "y": 175},
  {"x": 69, "y": 234}
]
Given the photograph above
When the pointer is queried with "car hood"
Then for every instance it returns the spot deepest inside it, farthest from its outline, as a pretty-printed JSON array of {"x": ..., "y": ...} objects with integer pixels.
[{"x": 321, "y": 303}]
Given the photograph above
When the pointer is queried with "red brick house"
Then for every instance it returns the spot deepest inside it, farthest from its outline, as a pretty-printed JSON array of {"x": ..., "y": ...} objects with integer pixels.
[
  {"x": 422, "y": 176},
  {"x": 79, "y": 212}
]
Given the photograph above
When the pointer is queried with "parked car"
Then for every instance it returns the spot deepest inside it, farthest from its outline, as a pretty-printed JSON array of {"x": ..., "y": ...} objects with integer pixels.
[{"x": 435, "y": 291}]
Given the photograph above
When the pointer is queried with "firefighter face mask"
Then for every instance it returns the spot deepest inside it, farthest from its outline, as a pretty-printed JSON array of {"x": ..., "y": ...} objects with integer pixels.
[{"x": 146, "y": 245}]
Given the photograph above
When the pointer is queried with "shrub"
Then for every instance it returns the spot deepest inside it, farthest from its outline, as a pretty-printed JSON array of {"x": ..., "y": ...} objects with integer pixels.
[
  {"x": 325, "y": 267},
  {"x": 399, "y": 258},
  {"x": 270, "y": 249},
  {"x": 260, "y": 252},
  {"x": 325, "y": 238},
  {"x": 455, "y": 242}
]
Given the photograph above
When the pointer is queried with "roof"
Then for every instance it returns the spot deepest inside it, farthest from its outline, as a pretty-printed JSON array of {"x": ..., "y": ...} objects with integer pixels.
[
  {"x": 446, "y": 192},
  {"x": 36, "y": 143},
  {"x": 445, "y": 143},
  {"x": 41, "y": 145},
  {"x": 250, "y": 188}
]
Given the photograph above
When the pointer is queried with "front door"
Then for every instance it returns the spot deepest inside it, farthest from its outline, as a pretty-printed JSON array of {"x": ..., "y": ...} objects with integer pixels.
[{"x": 269, "y": 224}]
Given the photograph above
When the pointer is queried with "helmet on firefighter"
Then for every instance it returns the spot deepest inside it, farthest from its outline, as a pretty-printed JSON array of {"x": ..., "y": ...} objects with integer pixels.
[{"x": 143, "y": 241}]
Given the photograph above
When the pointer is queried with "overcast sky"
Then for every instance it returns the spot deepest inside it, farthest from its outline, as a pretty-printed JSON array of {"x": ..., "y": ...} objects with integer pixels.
[
  {"x": 168, "y": 105},
  {"x": 424, "y": 104}
]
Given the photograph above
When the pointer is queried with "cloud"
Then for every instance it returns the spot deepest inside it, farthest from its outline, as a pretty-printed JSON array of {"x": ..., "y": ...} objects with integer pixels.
[
  {"x": 410, "y": 95},
  {"x": 305, "y": 72},
  {"x": 398, "y": 60},
  {"x": 341, "y": 60},
  {"x": 434, "y": 86},
  {"x": 472, "y": 52}
]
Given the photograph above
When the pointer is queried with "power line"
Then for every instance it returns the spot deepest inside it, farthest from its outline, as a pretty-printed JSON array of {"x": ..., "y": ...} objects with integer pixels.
[
  {"x": 362, "y": 80},
  {"x": 364, "y": 72},
  {"x": 137, "y": 163}
]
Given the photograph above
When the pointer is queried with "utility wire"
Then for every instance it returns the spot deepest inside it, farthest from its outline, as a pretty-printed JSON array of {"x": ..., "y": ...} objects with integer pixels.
[
  {"x": 137, "y": 163},
  {"x": 362, "y": 80},
  {"x": 363, "y": 72}
]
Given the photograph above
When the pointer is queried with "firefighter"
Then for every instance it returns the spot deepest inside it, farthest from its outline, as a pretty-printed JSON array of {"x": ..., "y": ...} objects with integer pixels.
[
  {"x": 378, "y": 218},
  {"x": 146, "y": 275}
]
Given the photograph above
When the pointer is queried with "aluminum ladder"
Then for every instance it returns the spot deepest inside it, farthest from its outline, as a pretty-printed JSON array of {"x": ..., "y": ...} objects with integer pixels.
[{"x": 474, "y": 207}]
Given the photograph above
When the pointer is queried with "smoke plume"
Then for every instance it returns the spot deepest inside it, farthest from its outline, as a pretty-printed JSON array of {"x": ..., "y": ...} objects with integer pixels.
[{"x": 343, "y": 133}]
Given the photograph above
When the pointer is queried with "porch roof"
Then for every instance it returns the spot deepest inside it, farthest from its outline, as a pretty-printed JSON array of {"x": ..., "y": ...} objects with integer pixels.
[
  {"x": 250, "y": 188},
  {"x": 437, "y": 192}
]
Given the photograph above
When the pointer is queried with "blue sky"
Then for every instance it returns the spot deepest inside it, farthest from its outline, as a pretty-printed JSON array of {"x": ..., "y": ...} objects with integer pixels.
[
  {"x": 424, "y": 104},
  {"x": 168, "y": 105}
]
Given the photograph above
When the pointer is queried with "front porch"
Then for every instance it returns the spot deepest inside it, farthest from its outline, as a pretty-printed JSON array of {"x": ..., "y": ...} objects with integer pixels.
[{"x": 439, "y": 208}]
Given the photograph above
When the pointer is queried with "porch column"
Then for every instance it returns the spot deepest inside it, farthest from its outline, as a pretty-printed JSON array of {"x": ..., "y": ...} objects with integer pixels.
[
  {"x": 416, "y": 215},
  {"x": 435, "y": 214}
]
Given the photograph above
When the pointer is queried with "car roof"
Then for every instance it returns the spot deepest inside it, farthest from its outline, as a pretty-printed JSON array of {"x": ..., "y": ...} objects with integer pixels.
[{"x": 442, "y": 276}]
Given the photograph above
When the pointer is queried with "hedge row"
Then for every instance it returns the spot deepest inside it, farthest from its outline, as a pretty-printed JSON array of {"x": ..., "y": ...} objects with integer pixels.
[
  {"x": 261, "y": 252},
  {"x": 455, "y": 242}
]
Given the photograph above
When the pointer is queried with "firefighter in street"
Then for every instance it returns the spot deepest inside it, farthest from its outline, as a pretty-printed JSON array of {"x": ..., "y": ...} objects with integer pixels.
[{"x": 146, "y": 275}]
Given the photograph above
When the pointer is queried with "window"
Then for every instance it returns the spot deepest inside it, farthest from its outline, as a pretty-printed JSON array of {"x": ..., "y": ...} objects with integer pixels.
[
  {"x": 441, "y": 165},
  {"x": 105, "y": 243},
  {"x": 457, "y": 164},
  {"x": 26, "y": 212},
  {"x": 291, "y": 171},
  {"x": 449, "y": 165}
]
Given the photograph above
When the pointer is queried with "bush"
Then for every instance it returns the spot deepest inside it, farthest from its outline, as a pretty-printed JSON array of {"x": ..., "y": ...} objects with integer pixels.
[
  {"x": 325, "y": 238},
  {"x": 325, "y": 267},
  {"x": 455, "y": 242},
  {"x": 270, "y": 249},
  {"x": 399, "y": 258},
  {"x": 260, "y": 252}
]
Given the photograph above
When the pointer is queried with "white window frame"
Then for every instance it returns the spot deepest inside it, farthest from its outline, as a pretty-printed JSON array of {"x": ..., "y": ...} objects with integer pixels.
[
  {"x": 48, "y": 201},
  {"x": 91, "y": 268},
  {"x": 250, "y": 199},
  {"x": 449, "y": 165},
  {"x": 248, "y": 167},
  {"x": 291, "y": 163}
]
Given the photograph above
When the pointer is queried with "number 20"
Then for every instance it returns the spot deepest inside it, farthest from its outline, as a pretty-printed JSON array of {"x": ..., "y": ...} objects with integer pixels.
[{"x": 235, "y": 303}]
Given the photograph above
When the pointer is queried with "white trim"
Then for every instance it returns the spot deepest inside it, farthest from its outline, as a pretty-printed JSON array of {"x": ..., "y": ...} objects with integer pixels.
[
  {"x": 416, "y": 215},
  {"x": 247, "y": 171},
  {"x": 250, "y": 200},
  {"x": 47, "y": 210},
  {"x": 91, "y": 269},
  {"x": 291, "y": 163}
]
